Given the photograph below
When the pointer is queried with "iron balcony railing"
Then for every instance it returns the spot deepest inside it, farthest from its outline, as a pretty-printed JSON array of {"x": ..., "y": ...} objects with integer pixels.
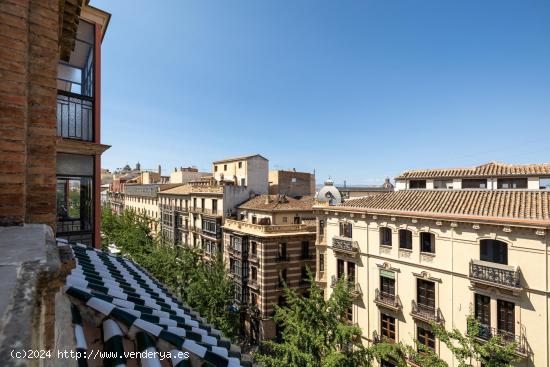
[
  {"x": 343, "y": 244},
  {"x": 75, "y": 116},
  {"x": 389, "y": 300},
  {"x": 486, "y": 332},
  {"x": 425, "y": 312},
  {"x": 196, "y": 209},
  {"x": 495, "y": 274}
]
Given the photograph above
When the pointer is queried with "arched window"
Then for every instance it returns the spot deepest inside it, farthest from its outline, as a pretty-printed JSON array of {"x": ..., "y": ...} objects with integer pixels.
[
  {"x": 346, "y": 229},
  {"x": 405, "y": 239},
  {"x": 494, "y": 251},
  {"x": 427, "y": 242},
  {"x": 385, "y": 236}
]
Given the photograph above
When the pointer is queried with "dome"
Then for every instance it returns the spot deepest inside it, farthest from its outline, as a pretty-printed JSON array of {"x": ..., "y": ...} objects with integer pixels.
[{"x": 329, "y": 193}]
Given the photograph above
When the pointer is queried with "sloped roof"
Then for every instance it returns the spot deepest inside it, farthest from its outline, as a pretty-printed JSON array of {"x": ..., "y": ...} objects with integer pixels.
[
  {"x": 278, "y": 203},
  {"x": 491, "y": 169},
  {"x": 513, "y": 205},
  {"x": 132, "y": 304}
]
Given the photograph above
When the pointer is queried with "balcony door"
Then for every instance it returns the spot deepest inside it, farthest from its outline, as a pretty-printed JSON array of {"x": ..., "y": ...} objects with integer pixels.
[
  {"x": 387, "y": 286},
  {"x": 494, "y": 251},
  {"x": 483, "y": 309},
  {"x": 506, "y": 317},
  {"x": 425, "y": 291}
]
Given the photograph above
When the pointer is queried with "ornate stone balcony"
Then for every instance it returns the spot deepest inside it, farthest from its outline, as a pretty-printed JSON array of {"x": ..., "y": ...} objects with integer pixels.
[
  {"x": 493, "y": 274},
  {"x": 267, "y": 230},
  {"x": 345, "y": 245},
  {"x": 387, "y": 300},
  {"x": 213, "y": 212},
  {"x": 426, "y": 313}
]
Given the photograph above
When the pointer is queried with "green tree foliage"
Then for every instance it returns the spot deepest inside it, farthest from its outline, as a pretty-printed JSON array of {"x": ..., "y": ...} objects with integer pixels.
[
  {"x": 315, "y": 332},
  {"x": 204, "y": 286},
  {"x": 494, "y": 351}
]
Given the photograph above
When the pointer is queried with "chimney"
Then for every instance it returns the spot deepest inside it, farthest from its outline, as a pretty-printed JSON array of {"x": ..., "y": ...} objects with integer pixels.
[
  {"x": 267, "y": 199},
  {"x": 160, "y": 171}
]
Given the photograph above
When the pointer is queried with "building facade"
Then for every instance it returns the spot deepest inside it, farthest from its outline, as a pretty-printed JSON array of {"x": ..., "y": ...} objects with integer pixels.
[
  {"x": 270, "y": 242},
  {"x": 193, "y": 214},
  {"x": 291, "y": 183},
  {"x": 441, "y": 255}
]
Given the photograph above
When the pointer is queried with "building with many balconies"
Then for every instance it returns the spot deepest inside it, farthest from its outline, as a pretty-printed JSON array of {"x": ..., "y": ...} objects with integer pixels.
[
  {"x": 427, "y": 255},
  {"x": 268, "y": 243}
]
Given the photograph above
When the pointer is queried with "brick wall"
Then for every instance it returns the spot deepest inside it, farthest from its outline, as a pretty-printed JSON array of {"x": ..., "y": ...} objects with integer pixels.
[{"x": 28, "y": 69}]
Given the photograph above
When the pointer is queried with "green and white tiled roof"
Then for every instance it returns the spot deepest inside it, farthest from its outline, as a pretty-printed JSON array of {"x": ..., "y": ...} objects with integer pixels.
[{"x": 134, "y": 305}]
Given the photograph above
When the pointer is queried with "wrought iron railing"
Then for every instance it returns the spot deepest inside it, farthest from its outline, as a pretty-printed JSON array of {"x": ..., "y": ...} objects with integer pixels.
[
  {"x": 495, "y": 274},
  {"x": 486, "y": 332},
  {"x": 75, "y": 116},
  {"x": 425, "y": 312},
  {"x": 345, "y": 245},
  {"x": 387, "y": 299}
]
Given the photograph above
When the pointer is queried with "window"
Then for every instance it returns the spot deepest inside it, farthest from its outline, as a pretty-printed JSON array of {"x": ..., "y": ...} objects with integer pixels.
[
  {"x": 385, "y": 236},
  {"x": 405, "y": 239},
  {"x": 214, "y": 205},
  {"x": 340, "y": 271},
  {"x": 240, "y": 164},
  {"x": 351, "y": 272},
  {"x": 512, "y": 183},
  {"x": 253, "y": 273},
  {"x": 474, "y": 183},
  {"x": 203, "y": 203},
  {"x": 235, "y": 243},
  {"x": 282, "y": 251},
  {"x": 215, "y": 168},
  {"x": 544, "y": 183},
  {"x": 254, "y": 247},
  {"x": 425, "y": 294},
  {"x": 321, "y": 263},
  {"x": 254, "y": 219},
  {"x": 494, "y": 251},
  {"x": 387, "y": 285},
  {"x": 483, "y": 309},
  {"x": 506, "y": 318},
  {"x": 443, "y": 184},
  {"x": 74, "y": 199},
  {"x": 225, "y": 167},
  {"x": 425, "y": 337},
  {"x": 427, "y": 242},
  {"x": 387, "y": 327},
  {"x": 297, "y": 220},
  {"x": 417, "y": 184},
  {"x": 285, "y": 219},
  {"x": 243, "y": 182},
  {"x": 293, "y": 180},
  {"x": 345, "y": 229},
  {"x": 282, "y": 277},
  {"x": 305, "y": 249}
]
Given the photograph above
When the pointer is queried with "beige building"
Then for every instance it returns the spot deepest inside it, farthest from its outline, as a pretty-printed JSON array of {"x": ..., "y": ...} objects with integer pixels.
[
  {"x": 193, "y": 214},
  {"x": 291, "y": 183},
  {"x": 420, "y": 255},
  {"x": 269, "y": 242},
  {"x": 143, "y": 199},
  {"x": 185, "y": 174}
]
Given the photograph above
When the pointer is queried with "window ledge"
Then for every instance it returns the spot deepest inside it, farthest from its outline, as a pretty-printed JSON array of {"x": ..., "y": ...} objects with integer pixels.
[
  {"x": 405, "y": 249},
  {"x": 431, "y": 254}
]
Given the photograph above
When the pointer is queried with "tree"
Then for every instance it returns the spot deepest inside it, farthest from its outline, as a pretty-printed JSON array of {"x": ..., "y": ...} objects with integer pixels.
[
  {"x": 202, "y": 285},
  {"x": 491, "y": 351},
  {"x": 315, "y": 331}
]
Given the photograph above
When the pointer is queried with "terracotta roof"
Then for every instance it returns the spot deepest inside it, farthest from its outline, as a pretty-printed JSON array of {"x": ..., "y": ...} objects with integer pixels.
[
  {"x": 278, "y": 203},
  {"x": 128, "y": 304},
  {"x": 491, "y": 169},
  {"x": 244, "y": 157},
  {"x": 512, "y": 205}
]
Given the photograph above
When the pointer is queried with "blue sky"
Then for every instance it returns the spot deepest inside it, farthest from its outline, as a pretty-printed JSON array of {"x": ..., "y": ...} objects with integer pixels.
[{"x": 355, "y": 90}]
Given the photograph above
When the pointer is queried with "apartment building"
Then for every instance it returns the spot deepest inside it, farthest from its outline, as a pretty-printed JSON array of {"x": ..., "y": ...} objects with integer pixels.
[
  {"x": 419, "y": 255},
  {"x": 490, "y": 176},
  {"x": 143, "y": 199},
  {"x": 186, "y": 174},
  {"x": 269, "y": 242},
  {"x": 291, "y": 183},
  {"x": 193, "y": 214},
  {"x": 349, "y": 192}
]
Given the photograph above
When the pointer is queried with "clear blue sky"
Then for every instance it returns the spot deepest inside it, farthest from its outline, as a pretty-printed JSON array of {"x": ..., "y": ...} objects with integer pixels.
[{"x": 357, "y": 90}]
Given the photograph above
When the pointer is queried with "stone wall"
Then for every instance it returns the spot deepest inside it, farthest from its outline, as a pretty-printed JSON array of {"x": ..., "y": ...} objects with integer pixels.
[{"x": 28, "y": 69}]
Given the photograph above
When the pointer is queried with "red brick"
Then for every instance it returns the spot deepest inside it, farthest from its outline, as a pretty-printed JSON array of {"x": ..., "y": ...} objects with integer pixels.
[
  {"x": 12, "y": 189},
  {"x": 13, "y": 9},
  {"x": 13, "y": 157},
  {"x": 11, "y": 179},
  {"x": 12, "y": 134},
  {"x": 13, "y": 21},
  {"x": 12, "y": 44},
  {"x": 11, "y": 199}
]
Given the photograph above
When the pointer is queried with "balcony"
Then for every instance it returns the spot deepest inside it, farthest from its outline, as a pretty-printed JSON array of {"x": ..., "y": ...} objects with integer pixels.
[
  {"x": 387, "y": 300},
  {"x": 253, "y": 283},
  {"x": 213, "y": 212},
  {"x": 321, "y": 278},
  {"x": 75, "y": 116},
  {"x": 345, "y": 245},
  {"x": 486, "y": 332},
  {"x": 356, "y": 290},
  {"x": 426, "y": 313},
  {"x": 493, "y": 274},
  {"x": 252, "y": 257},
  {"x": 267, "y": 230},
  {"x": 234, "y": 251}
]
